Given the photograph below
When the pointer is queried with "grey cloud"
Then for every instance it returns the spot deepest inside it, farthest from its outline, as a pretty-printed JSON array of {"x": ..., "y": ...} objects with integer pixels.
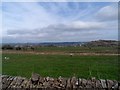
[
  {"x": 69, "y": 27},
  {"x": 59, "y": 28},
  {"x": 63, "y": 32},
  {"x": 21, "y": 31},
  {"x": 62, "y": 36}
]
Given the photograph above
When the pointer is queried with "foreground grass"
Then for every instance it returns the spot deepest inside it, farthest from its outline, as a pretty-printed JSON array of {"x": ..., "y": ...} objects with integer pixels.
[{"x": 61, "y": 65}]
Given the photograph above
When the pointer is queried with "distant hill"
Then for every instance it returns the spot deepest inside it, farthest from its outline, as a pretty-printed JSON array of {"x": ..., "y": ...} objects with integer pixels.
[
  {"x": 107, "y": 43},
  {"x": 47, "y": 44}
]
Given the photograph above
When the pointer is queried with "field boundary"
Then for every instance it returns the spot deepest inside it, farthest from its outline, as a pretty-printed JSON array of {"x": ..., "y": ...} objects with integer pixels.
[
  {"x": 36, "y": 81},
  {"x": 57, "y": 53}
]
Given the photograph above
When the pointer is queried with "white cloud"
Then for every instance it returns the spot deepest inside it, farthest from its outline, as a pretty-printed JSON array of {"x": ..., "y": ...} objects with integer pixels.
[
  {"x": 0, "y": 23},
  {"x": 87, "y": 25},
  {"x": 29, "y": 16},
  {"x": 57, "y": 22},
  {"x": 108, "y": 13}
]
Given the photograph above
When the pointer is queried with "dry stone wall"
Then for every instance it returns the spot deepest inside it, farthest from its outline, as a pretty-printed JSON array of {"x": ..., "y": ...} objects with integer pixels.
[{"x": 60, "y": 83}]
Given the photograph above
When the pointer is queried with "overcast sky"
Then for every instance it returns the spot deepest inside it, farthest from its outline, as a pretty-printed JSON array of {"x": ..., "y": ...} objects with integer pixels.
[{"x": 59, "y": 21}]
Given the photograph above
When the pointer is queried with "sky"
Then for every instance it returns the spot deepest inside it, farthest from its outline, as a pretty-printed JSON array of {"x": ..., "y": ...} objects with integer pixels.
[{"x": 36, "y": 22}]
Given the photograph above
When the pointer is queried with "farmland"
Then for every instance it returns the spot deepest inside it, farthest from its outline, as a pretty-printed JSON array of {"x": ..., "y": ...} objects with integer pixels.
[
  {"x": 96, "y": 59},
  {"x": 79, "y": 49},
  {"x": 23, "y": 64}
]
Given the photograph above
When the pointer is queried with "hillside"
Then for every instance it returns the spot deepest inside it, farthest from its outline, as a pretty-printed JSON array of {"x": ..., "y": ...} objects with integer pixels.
[{"x": 105, "y": 43}]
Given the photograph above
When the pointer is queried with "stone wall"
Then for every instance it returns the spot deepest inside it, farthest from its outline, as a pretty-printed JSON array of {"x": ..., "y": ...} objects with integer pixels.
[{"x": 49, "y": 83}]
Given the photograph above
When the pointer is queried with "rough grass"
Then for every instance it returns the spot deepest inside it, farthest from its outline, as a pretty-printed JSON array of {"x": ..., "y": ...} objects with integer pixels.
[{"x": 61, "y": 65}]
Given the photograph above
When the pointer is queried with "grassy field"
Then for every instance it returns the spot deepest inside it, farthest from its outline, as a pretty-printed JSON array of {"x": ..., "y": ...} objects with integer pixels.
[
  {"x": 61, "y": 65},
  {"x": 79, "y": 49}
]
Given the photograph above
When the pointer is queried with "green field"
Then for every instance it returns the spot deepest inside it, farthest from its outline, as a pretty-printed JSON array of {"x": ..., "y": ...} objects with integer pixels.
[
  {"x": 79, "y": 49},
  {"x": 61, "y": 65}
]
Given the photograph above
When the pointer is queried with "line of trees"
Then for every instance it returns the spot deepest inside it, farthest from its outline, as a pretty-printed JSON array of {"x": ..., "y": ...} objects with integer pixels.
[{"x": 9, "y": 47}]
